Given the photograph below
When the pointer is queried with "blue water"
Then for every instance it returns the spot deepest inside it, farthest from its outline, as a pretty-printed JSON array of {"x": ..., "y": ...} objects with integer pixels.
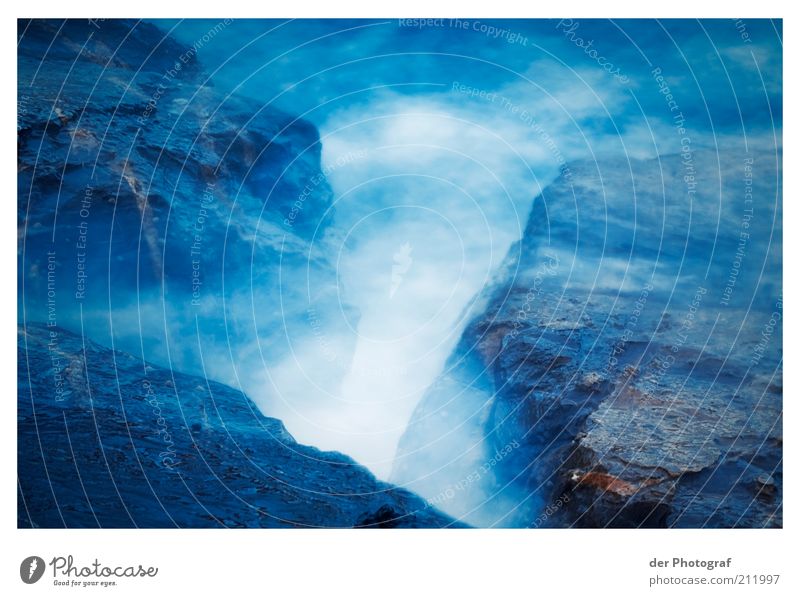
[{"x": 411, "y": 153}]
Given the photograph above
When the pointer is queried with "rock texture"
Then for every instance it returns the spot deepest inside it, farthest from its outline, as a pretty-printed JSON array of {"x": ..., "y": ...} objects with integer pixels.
[
  {"x": 159, "y": 215},
  {"x": 107, "y": 440},
  {"x": 624, "y": 368},
  {"x": 626, "y": 364}
]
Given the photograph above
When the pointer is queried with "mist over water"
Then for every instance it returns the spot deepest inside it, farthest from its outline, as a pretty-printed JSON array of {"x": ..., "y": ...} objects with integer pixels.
[
  {"x": 430, "y": 193},
  {"x": 421, "y": 220},
  {"x": 434, "y": 143},
  {"x": 476, "y": 257}
]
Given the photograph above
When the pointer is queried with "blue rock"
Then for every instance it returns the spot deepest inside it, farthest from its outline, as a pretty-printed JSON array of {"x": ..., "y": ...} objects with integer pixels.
[{"x": 107, "y": 440}]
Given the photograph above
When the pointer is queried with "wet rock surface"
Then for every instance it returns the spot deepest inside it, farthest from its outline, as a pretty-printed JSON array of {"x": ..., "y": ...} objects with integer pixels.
[
  {"x": 625, "y": 363},
  {"x": 122, "y": 443},
  {"x": 628, "y": 378},
  {"x": 159, "y": 214}
]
